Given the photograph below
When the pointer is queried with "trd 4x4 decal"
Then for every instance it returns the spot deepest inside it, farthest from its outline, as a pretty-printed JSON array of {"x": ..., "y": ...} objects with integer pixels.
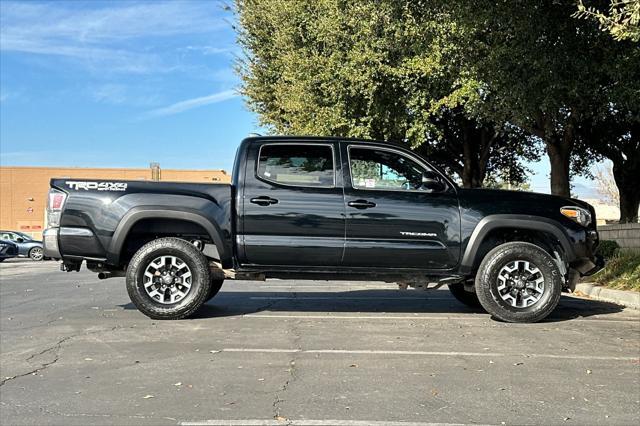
[{"x": 98, "y": 186}]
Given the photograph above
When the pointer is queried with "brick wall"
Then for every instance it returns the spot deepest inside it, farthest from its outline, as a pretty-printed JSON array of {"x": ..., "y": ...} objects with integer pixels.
[{"x": 627, "y": 235}]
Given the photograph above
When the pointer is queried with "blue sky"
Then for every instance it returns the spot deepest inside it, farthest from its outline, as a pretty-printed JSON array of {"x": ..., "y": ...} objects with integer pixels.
[{"x": 124, "y": 83}]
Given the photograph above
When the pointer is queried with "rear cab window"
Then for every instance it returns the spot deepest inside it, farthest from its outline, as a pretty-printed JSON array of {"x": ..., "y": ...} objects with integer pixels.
[{"x": 310, "y": 165}]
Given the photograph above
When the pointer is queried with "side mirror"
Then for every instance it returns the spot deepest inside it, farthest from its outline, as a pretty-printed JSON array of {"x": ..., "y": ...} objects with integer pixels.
[
  {"x": 433, "y": 182},
  {"x": 20, "y": 240}
]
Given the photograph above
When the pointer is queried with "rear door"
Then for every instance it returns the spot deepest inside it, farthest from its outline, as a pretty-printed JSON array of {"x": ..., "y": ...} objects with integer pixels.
[
  {"x": 392, "y": 219},
  {"x": 293, "y": 204}
]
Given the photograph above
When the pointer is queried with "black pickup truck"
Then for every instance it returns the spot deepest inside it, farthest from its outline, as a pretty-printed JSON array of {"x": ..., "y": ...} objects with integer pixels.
[{"x": 324, "y": 208}]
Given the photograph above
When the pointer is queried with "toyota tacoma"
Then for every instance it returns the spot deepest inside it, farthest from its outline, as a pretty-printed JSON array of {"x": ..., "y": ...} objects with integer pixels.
[{"x": 324, "y": 208}]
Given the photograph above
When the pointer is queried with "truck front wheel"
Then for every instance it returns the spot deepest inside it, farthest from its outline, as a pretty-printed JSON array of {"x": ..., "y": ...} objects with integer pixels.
[
  {"x": 519, "y": 282},
  {"x": 168, "y": 278}
]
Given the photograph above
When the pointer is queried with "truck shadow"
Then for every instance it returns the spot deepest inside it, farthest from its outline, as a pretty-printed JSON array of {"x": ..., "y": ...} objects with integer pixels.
[{"x": 234, "y": 303}]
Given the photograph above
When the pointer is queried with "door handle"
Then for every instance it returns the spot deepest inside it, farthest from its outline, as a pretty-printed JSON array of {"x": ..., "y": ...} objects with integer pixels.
[
  {"x": 361, "y": 204},
  {"x": 264, "y": 201}
]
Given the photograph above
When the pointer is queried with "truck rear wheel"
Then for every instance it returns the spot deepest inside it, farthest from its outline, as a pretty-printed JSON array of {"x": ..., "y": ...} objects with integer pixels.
[
  {"x": 519, "y": 282},
  {"x": 168, "y": 278}
]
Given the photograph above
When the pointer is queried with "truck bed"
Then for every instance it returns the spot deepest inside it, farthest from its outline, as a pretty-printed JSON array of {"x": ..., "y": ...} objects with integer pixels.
[{"x": 96, "y": 210}]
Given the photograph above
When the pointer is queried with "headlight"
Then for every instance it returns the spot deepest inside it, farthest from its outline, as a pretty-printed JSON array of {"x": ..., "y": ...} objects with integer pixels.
[{"x": 577, "y": 214}]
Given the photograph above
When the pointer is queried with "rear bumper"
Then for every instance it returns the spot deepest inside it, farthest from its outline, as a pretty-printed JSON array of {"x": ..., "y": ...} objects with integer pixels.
[
  {"x": 50, "y": 243},
  {"x": 78, "y": 243}
]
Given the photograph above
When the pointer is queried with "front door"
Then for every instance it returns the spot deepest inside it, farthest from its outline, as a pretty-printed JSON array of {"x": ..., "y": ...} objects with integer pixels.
[
  {"x": 293, "y": 205},
  {"x": 395, "y": 219}
]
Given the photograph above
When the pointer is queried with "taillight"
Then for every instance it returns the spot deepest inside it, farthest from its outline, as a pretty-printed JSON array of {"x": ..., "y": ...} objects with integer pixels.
[{"x": 54, "y": 207}]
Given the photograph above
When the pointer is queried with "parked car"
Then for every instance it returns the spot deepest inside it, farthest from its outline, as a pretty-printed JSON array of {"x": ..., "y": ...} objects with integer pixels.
[
  {"x": 324, "y": 208},
  {"x": 7, "y": 250},
  {"x": 27, "y": 246}
]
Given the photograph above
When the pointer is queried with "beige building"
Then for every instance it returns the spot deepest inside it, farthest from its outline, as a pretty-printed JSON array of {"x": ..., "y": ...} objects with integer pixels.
[{"x": 23, "y": 190}]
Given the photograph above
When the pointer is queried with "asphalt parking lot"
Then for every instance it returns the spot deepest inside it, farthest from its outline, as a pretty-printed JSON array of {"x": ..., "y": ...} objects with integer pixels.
[{"x": 74, "y": 351}]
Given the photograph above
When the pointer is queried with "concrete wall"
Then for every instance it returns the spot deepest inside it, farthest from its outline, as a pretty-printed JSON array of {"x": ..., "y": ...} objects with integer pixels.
[
  {"x": 627, "y": 235},
  {"x": 23, "y": 190}
]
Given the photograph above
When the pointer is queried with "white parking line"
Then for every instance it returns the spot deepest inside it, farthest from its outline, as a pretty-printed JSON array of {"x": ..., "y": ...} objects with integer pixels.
[
  {"x": 322, "y": 286},
  {"x": 347, "y": 298},
  {"x": 306, "y": 422},
  {"x": 470, "y": 317},
  {"x": 367, "y": 317},
  {"x": 285, "y": 351},
  {"x": 430, "y": 353}
]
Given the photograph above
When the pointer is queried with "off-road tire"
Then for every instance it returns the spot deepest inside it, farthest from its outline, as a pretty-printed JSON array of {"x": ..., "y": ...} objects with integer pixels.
[
  {"x": 487, "y": 282},
  {"x": 468, "y": 298},
  {"x": 200, "y": 285},
  {"x": 214, "y": 288}
]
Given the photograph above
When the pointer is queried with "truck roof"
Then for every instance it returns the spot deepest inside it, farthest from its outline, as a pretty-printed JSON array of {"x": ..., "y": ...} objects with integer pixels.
[{"x": 320, "y": 138}]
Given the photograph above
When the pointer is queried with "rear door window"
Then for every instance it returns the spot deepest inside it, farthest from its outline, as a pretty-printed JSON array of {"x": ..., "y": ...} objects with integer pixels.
[{"x": 297, "y": 165}]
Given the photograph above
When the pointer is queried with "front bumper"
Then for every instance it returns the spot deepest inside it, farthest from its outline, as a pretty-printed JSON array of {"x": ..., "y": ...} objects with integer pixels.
[
  {"x": 588, "y": 266},
  {"x": 50, "y": 243},
  {"x": 599, "y": 264}
]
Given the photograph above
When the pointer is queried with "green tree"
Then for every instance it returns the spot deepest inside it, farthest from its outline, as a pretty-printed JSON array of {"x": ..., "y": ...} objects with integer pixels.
[
  {"x": 378, "y": 69},
  {"x": 478, "y": 151},
  {"x": 622, "y": 20},
  {"x": 545, "y": 72},
  {"x": 615, "y": 135}
]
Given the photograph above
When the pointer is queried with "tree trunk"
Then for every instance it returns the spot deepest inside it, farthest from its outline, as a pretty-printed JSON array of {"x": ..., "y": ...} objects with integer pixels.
[
  {"x": 559, "y": 160},
  {"x": 472, "y": 171},
  {"x": 629, "y": 204},
  {"x": 559, "y": 149},
  {"x": 475, "y": 152},
  {"x": 467, "y": 159},
  {"x": 626, "y": 178}
]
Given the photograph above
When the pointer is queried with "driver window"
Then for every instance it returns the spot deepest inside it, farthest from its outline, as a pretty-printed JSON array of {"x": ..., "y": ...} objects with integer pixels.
[{"x": 381, "y": 169}]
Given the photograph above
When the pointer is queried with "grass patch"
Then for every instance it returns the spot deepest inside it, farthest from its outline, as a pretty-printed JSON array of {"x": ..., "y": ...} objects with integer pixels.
[{"x": 621, "y": 272}]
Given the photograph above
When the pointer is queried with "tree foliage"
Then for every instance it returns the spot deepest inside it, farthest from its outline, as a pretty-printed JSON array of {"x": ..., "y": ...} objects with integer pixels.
[
  {"x": 378, "y": 69},
  {"x": 622, "y": 20},
  {"x": 462, "y": 82},
  {"x": 615, "y": 135},
  {"x": 546, "y": 73}
]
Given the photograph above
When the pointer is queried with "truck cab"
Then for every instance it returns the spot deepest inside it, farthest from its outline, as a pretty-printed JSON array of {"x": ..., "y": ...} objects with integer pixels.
[{"x": 344, "y": 205}]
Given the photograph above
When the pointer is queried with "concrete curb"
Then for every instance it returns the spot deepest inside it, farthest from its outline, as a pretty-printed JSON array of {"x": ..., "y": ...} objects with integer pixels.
[{"x": 630, "y": 299}]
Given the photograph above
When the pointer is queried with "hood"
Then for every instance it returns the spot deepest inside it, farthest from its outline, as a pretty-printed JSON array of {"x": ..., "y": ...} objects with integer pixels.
[
  {"x": 522, "y": 195},
  {"x": 497, "y": 201}
]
